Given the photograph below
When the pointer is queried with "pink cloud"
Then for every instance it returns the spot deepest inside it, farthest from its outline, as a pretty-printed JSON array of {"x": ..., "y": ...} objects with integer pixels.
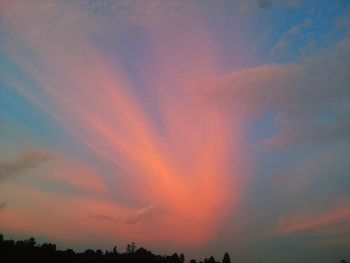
[
  {"x": 192, "y": 170},
  {"x": 302, "y": 224}
]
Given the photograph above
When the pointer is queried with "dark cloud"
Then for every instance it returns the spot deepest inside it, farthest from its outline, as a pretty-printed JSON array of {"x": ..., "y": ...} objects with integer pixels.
[
  {"x": 264, "y": 3},
  {"x": 294, "y": 4},
  {"x": 2, "y": 205},
  {"x": 29, "y": 159},
  {"x": 104, "y": 218}
]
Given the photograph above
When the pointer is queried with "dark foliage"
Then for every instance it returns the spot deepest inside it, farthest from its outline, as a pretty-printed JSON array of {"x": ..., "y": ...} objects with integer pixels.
[
  {"x": 28, "y": 251},
  {"x": 226, "y": 258}
]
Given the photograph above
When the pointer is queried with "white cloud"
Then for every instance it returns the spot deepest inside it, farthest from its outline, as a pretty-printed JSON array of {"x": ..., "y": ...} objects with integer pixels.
[{"x": 140, "y": 214}]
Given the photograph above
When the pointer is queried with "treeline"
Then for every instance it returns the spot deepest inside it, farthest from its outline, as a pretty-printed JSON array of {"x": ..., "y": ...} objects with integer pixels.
[{"x": 28, "y": 251}]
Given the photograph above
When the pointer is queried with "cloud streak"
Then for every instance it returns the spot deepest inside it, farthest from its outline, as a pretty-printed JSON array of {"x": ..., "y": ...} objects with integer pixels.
[
  {"x": 316, "y": 225},
  {"x": 140, "y": 214},
  {"x": 134, "y": 218},
  {"x": 26, "y": 160},
  {"x": 2, "y": 205},
  {"x": 264, "y": 3}
]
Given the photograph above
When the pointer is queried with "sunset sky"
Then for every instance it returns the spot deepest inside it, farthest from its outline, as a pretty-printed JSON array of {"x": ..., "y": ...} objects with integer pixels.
[{"x": 194, "y": 126}]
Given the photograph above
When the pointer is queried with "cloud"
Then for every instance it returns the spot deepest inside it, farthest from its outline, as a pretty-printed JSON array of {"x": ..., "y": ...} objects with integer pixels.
[
  {"x": 134, "y": 218},
  {"x": 2, "y": 205},
  {"x": 299, "y": 225},
  {"x": 73, "y": 174},
  {"x": 264, "y": 3},
  {"x": 26, "y": 160},
  {"x": 282, "y": 51},
  {"x": 102, "y": 17},
  {"x": 140, "y": 214},
  {"x": 104, "y": 217},
  {"x": 148, "y": 139},
  {"x": 295, "y": 3},
  {"x": 310, "y": 97},
  {"x": 58, "y": 216}
]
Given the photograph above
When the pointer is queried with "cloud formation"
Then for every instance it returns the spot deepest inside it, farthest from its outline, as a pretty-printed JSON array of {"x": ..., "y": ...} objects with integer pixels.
[
  {"x": 264, "y": 3},
  {"x": 104, "y": 217},
  {"x": 152, "y": 140},
  {"x": 300, "y": 93},
  {"x": 162, "y": 134},
  {"x": 133, "y": 218},
  {"x": 140, "y": 214},
  {"x": 2, "y": 205},
  {"x": 315, "y": 224},
  {"x": 29, "y": 159}
]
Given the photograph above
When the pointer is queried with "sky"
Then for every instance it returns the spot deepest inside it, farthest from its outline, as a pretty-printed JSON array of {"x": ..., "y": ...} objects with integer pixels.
[{"x": 183, "y": 126}]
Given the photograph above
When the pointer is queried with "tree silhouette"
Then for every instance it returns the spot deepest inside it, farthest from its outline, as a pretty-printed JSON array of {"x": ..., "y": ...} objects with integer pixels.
[
  {"x": 226, "y": 258},
  {"x": 182, "y": 258},
  {"x": 28, "y": 251},
  {"x": 130, "y": 248},
  {"x": 115, "y": 250},
  {"x": 31, "y": 242},
  {"x": 210, "y": 260}
]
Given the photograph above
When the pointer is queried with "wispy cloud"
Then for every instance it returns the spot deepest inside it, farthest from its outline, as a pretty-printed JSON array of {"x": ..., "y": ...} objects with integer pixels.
[
  {"x": 140, "y": 214},
  {"x": 135, "y": 217},
  {"x": 152, "y": 141},
  {"x": 292, "y": 226},
  {"x": 264, "y": 3},
  {"x": 128, "y": 81},
  {"x": 300, "y": 93},
  {"x": 2, "y": 205},
  {"x": 282, "y": 50},
  {"x": 29, "y": 159},
  {"x": 104, "y": 217}
]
